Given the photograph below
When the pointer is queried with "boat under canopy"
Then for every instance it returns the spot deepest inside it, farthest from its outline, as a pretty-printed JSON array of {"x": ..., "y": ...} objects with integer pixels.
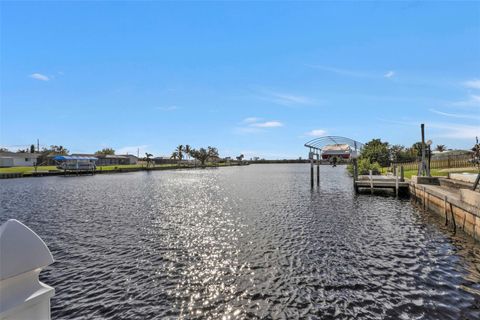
[{"x": 76, "y": 163}]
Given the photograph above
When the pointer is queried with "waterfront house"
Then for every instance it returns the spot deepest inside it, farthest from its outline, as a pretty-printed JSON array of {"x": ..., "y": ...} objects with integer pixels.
[
  {"x": 18, "y": 159},
  {"x": 164, "y": 160},
  {"x": 131, "y": 158},
  {"x": 111, "y": 159}
]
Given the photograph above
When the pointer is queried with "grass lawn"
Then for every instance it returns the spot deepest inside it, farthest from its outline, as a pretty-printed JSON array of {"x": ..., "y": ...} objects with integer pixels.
[
  {"x": 118, "y": 166},
  {"x": 436, "y": 172},
  {"x": 26, "y": 169}
]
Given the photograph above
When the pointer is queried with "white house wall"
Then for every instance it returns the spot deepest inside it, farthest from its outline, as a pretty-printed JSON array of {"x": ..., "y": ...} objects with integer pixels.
[{"x": 21, "y": 162}]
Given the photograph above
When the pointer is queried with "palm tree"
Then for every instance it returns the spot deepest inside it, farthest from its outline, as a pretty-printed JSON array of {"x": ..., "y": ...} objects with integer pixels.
[
  {"x": 179, "y": 151},
  {"x": 188, "y": 150},
  {"x": 148, "y": 158},
  {"x": 174, "y": 155},
  {"x": 441, "y": 147}
]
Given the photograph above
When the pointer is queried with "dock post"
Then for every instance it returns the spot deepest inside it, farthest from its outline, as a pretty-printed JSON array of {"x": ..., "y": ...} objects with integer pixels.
[
  {"x": 311, "y": 170},
  {"x": 396, "y": 181},
  {"x": 427, "y": 201},
  {"x": 476, "y": 183},
  {"x": 355, "y": 175},
  {"x": 318, "y": 170},
  {"x": 402, "y": 174},
  {"x": 453, "y": 217},
  {"x": 371, "y": 180},
  {"x": 445, "y": 209},
  {"x": 424, "y": 199}
]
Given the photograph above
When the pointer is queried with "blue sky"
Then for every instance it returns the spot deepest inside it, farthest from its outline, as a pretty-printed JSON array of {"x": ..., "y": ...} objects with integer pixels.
[{"x": 259, "y": 78}]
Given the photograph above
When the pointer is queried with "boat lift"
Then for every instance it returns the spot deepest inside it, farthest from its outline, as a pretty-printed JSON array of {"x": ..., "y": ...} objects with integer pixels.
[
  {"x": 76, "y": 164},
  {"x": 317, "y": 145}
]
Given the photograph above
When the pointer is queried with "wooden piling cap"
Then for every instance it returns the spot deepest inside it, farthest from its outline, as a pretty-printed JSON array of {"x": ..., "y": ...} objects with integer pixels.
[{"x": 21, "y": 250}]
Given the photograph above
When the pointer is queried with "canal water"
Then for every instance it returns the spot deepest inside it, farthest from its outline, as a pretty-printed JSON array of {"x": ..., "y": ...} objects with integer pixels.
[{"x": 250, "y": 242}]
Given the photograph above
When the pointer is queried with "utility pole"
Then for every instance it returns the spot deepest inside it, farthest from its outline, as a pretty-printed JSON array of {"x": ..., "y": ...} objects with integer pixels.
[{"x": 38, "y": 145}]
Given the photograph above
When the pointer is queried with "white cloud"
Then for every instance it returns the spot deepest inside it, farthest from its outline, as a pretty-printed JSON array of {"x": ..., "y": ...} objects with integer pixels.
[
  {"x": 389, "y": 74},
  {"x": 344, "y": 72},
  {"x": 141, "y": 149},
  {"x": 473, "y": 84},
  {"x": 286, "y": 99},
  {"x": 39, "y": 76},
  {"x": 354, "y": 73},
  {"x": 256, "y": 125},
  {"x": 456, "y": 115},
  {"x": 472, "y": 101},
  {"x": 443, "y": 130},
  {"x": 251, "y": 120},
  {"x": 168, "y": 108},
  {"x": 267, "y": 124},
  {"x": 456, "y": 131},
  {"x": 246, "y": 130},
  {"x": 316, "y": 133}
]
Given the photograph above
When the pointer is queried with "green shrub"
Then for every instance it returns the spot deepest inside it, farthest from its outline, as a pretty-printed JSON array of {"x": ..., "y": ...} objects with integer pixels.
[{"x": 364, "y": 167}]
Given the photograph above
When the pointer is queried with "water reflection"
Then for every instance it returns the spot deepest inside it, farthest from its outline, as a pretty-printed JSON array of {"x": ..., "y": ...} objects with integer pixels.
[{"x": 246, "y": 242}]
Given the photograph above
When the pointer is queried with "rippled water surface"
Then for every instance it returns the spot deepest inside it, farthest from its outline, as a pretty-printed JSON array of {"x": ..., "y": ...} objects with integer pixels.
[{"x": 242, "y": 242}]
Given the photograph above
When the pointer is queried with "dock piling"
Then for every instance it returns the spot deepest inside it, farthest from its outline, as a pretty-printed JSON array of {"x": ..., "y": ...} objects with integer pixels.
[
  {"x": 445, "y": 209},
  {"x": 371, "y": 180},
  {"x": 424, "y": 199},
  {"x": 453, "y": 217},
  {"x": 355, "y": 175},
  {"x": 311, "y": 171},
  {"x": 396, "y": 181}
]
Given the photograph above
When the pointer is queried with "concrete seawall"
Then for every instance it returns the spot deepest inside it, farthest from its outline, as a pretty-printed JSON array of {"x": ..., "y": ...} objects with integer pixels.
[{"x": 458, "y": 207}]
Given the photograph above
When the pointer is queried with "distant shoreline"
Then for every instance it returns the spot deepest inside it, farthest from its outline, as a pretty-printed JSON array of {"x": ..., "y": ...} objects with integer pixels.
[{"x": 111, "y": 169}]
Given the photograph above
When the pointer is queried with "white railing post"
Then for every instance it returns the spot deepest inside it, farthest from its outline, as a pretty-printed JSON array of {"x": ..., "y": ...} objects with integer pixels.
[{"x": 23, "y": 255}]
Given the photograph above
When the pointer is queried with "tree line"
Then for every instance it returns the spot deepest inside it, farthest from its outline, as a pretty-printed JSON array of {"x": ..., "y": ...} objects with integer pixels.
[
  {"x": 202, "y": 154},
  {"x": 384, "y": 154},
  {"x": 377, "y": 154}
]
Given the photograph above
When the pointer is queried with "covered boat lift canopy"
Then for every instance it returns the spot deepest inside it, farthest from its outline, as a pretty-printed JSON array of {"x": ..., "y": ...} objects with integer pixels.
[
  {"x": 330, "y": 143},
  {"x": 331, "y": 146},
  {"x": 74, "y": 158},
  {"x": 76, "y": 164}
]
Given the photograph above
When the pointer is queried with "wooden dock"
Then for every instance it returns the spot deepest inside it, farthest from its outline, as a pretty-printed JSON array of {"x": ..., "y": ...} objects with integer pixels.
[
  {"x": 386, "y": 183},
  {"x": 372, "y": 182}
]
